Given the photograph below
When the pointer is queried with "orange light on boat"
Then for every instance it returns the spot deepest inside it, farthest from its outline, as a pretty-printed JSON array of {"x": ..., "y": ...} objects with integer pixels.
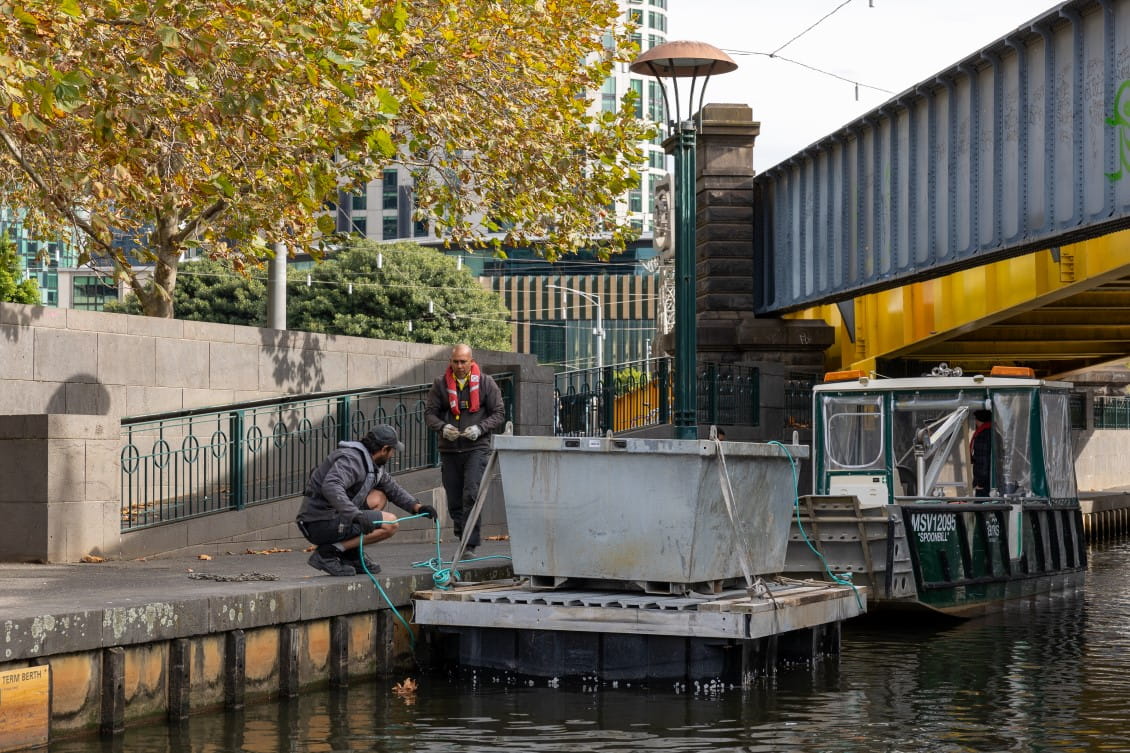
[
  {"x": 843, "y": 376},
  {"x": 1023, "y": 372}
]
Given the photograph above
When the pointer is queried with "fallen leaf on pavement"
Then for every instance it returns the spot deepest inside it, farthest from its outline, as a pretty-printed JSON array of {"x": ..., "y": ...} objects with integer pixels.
[
  {"x": 203, "y": 556},
  {"x": 92, "y": 558}
]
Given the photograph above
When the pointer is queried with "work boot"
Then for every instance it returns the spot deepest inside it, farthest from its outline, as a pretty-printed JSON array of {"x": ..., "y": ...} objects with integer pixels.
[
  {"x": 360, "y": 562},
  {"x": 329, "y": 560}
]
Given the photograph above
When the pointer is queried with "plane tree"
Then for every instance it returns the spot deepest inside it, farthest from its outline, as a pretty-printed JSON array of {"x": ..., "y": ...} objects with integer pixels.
[{"x": 225, "y": 126}]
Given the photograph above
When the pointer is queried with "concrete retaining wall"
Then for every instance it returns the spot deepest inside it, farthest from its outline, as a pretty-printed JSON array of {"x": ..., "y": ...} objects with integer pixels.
[
  {"x": 165, "y": 647},
  {"x": 67, "y": 377},
  {"x": 1100, "y": 459},
  {"x": 89, "y": 362},
  {"x": 107, "y": 690}
]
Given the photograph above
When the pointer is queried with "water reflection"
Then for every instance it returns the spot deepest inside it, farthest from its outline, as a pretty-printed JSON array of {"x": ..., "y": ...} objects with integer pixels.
[{"x": 1052, "y": 673}]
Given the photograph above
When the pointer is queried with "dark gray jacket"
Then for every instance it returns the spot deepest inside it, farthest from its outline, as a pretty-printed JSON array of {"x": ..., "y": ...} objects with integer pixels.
[
  {"x": 337, "y": 488},
  {"x": 490, "y": 417}
]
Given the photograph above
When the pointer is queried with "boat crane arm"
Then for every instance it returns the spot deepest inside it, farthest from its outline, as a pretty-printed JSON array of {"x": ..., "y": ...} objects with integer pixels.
[{"x": 939, "y": 433}]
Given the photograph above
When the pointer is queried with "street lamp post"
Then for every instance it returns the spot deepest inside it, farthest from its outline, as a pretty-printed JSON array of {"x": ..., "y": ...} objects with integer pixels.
[
  {"x": 675, "y": 60},
  {"x": 599, "y": 330}
]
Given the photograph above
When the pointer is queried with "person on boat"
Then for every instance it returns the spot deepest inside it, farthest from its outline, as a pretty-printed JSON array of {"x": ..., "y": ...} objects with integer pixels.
[
  {"x": 343, "y": 507},
  {"x": 981, "y": 452}
]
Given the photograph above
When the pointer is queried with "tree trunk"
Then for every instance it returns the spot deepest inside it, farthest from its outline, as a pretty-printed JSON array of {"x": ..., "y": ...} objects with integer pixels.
[
  {"x": 159, "y": 294},
  {"x": 161, "y": 288},
  {"x": 156, "y": 293}
]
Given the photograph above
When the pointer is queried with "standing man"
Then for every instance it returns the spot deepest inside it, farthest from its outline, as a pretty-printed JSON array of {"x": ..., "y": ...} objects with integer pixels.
[
  {"x": 345, "y": 499},
  {"x": 981, "y": 452},
  {"x": 464, "y": 407}
]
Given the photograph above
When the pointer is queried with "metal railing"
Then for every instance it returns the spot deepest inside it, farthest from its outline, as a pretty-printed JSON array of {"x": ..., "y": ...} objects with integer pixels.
[
  {"x": 798, "y": 399},
  {"x": 638, "y": 394},
  {"x": 729, "y": 395},
  {"x": 1077, "y": 410},
  {"x": 182, "y": 465},
  {"x": 1111, "y": 412}
]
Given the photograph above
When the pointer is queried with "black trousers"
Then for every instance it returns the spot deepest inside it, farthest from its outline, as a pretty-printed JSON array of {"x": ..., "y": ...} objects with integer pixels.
[{"x": 462, "y": 472}]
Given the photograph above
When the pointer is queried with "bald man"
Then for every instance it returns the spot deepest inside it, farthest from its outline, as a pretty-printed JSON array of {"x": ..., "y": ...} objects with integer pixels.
[{"x": 464, "y": 406}]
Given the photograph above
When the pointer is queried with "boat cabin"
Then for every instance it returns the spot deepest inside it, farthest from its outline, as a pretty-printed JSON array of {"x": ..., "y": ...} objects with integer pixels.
[{"x": 890, "y": 441}]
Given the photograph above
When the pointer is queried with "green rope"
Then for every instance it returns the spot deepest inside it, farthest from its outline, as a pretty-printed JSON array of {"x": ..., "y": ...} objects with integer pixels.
[
  {"x": 443, "y": 577},
  {"x": 843, "y": 580}
]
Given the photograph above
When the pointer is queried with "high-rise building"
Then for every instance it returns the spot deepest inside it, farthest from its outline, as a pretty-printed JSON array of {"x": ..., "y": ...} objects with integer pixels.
[{"x": 385, "y": 209}]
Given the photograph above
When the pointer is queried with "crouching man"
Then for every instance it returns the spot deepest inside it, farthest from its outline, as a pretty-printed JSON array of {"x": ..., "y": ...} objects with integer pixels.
[{"x": 345, "y": 499}]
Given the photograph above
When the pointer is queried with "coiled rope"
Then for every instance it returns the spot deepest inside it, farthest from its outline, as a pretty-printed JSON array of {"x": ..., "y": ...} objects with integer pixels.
[{"x": 444, "y": 575}]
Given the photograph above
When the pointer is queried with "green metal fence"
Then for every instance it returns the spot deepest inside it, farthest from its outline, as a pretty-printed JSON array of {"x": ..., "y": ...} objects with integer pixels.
[
  {"x": 1111, "y": 412},
  {"x": 1077, "y": 410},
  {"x": 637, "y": 394},
  {"x": 182, "y": 465},
  {"x": 798, "y": 399},
  {"x": 729, "y": 395}
]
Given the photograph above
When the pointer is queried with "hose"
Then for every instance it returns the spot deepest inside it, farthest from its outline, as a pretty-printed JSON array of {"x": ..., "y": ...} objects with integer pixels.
[
  {"x": 839, "y": 579},
  {"x": 443, "y": 577}
]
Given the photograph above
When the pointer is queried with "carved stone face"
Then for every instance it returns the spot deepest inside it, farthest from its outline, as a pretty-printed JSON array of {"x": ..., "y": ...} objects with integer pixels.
[{"x": 662, "y": 221}]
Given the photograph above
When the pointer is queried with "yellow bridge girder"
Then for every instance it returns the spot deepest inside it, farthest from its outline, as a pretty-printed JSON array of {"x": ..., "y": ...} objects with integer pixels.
[{"x": 1055, "y": 310}]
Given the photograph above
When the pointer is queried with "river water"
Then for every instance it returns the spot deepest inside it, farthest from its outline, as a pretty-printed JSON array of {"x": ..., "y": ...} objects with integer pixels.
[{"x": 1052, "y": 674}]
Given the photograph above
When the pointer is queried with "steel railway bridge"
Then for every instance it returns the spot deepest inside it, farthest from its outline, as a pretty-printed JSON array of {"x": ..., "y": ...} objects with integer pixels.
[{"x": 979, "y": 217}]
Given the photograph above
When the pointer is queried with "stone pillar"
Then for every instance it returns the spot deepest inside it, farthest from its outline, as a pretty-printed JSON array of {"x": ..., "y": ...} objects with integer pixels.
[
  {"x": 724, "y": 235},
  {"x": 61, "y": 490},
  {"x": 729, "y": 273},
  {"x": 728, "y": 331}
]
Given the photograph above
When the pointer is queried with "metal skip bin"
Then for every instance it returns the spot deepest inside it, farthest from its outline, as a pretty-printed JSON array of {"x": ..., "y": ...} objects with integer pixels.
[{"x": 644, "y": 510}]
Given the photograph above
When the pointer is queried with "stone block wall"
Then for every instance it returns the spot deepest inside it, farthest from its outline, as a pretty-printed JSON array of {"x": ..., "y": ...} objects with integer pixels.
[
  {"x": 94, "y": 363},
  {"x": 1100, "y": 459},
  {"x": 60, "y": 486},
  {"x": 68, "y": 377}
]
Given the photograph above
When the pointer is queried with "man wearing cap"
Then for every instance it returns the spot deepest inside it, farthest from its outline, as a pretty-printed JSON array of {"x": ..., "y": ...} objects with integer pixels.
[{"x": 345, "y": 499}]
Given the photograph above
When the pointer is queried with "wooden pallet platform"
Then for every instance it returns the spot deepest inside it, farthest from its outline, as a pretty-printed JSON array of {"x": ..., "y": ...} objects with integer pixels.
[{"x": 780, "y": 607}]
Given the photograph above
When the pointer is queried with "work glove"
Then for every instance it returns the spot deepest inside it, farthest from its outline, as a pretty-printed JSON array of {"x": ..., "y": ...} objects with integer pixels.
[
  {"x": 473, "y": 432},
  {"x": 429, "y": 511},
  {"x": 450, "y": 433},
  {"x": 364, "y": 522}
]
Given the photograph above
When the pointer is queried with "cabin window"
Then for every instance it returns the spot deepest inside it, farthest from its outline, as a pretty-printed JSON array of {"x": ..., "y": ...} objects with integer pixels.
[
  {"x": 1012, "y": 443},
  {"x": 936, "y": 427},
  {"x": 853, "y": 432},
  {"x": 1059, "y": 462}
]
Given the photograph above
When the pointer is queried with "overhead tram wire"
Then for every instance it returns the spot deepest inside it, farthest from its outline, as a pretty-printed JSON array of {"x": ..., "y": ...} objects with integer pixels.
[
  {"x": 824, "y": 18},
  {"x": 776, "y": 54},
  {"x": 858, "y": 84}
]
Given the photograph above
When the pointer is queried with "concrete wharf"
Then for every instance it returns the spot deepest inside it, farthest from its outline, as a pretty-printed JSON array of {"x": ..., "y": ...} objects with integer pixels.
[
  {"x": 135, "y": 641},
  {"x": 1106, "y": 514},
  {"x": 140, "y": 641}
]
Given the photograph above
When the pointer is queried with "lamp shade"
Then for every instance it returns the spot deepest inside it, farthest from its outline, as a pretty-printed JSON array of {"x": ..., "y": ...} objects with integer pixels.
[{"x": 682, "y": 59}]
